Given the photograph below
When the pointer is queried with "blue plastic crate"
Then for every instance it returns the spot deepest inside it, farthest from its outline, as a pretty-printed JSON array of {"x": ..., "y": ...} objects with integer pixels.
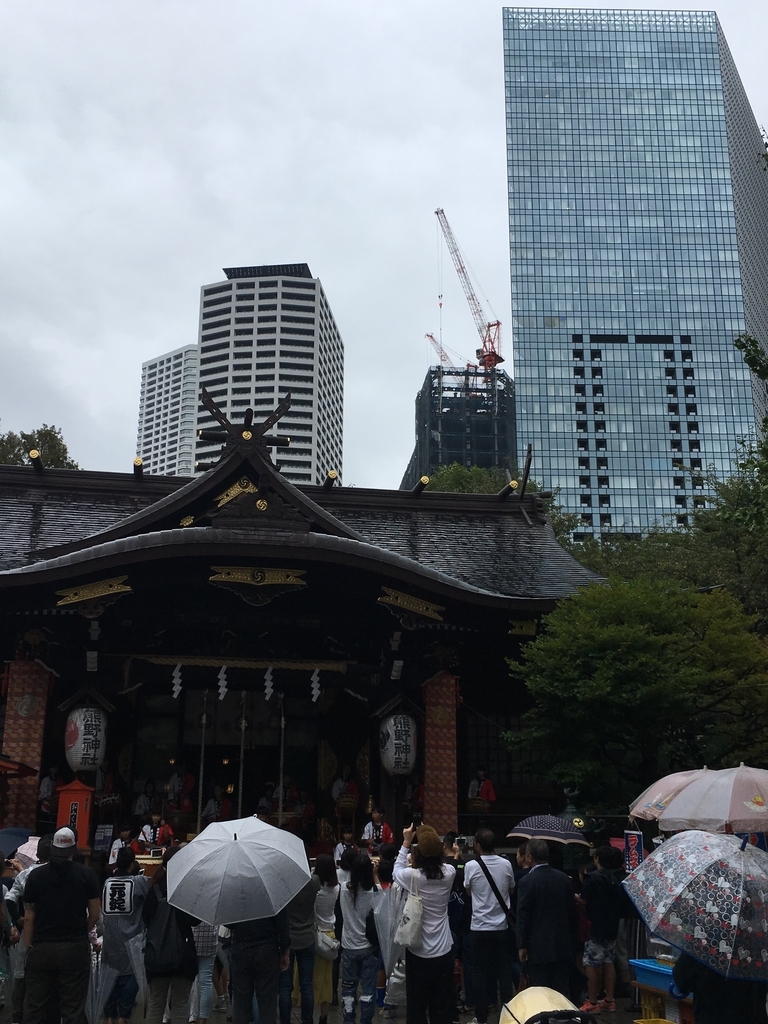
[{"x": 652, "y": 973}]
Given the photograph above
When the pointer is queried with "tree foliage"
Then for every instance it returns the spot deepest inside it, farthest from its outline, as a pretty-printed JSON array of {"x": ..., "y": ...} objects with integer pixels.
[
  {"x": 634, "y": 678},
  {"x": 48, "y": 440},
  {"x": 467, "y": 479},
  {"x": 476, "y": 480}
]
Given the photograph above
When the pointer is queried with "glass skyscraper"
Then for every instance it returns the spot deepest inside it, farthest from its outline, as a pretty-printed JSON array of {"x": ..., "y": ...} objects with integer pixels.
[{"x": 638, "y": 210}]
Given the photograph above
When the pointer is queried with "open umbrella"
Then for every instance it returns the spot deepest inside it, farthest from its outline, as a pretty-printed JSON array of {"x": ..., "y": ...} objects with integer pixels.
[
  {"x": 12, "y": 838},
  {"x": 547, "y": 826},
  {"x": 27, "y": 852},
  {"x": 707, "y": 894},
  {"x": 652, "y": 803},
  {"x": 237, "y": 871},
  {"x": 731, "y": 800}
]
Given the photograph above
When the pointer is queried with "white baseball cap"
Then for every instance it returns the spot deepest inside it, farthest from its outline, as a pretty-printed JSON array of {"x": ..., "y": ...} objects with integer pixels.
[{"x": 64, "y": 843}]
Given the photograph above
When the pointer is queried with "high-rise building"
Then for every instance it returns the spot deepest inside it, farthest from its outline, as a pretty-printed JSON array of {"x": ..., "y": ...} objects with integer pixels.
[
  {"x": 266, "y": 331},
  {"x": 638, "y": 211},
  {"x": 464, "y": 415},
  {"x": 167, "y": 408}
]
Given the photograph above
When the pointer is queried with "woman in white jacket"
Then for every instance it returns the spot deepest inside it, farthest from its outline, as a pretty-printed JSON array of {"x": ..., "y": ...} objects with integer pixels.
[{"x": 429, "y": 964}]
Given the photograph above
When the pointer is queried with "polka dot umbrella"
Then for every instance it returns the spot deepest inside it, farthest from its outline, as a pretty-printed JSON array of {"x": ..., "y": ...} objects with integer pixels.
[{"x": 547, "y": 826}]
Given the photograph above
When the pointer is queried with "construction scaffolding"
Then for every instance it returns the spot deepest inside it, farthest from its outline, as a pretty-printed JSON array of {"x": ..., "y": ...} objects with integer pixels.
[{"x": 464, "y": 414}]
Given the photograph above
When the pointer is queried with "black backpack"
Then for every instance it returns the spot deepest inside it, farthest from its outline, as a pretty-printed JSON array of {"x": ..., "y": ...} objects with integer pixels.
[{"x": 165, "y": 943}]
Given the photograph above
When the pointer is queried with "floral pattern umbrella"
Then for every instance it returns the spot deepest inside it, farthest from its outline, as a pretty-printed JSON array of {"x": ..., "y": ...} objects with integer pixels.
[
  {"x": 706, "y": 895},
  {"x": 547, "y": 826},
  {"x": 652, "y": 803}
]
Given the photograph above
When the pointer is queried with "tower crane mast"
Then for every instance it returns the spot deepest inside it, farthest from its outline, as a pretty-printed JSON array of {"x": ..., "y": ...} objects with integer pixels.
[{"x": 489, "y": 354}]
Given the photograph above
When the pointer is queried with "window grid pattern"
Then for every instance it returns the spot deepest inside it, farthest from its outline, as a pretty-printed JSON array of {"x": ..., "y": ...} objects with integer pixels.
[
  {"x": 294, "y": 345},
  {"x": 166, "y": 431},
  {"x": 624, "y": 256}
]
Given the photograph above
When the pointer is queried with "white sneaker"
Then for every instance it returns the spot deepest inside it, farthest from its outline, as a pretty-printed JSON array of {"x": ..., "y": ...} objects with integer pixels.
[{"x": 221, "y": 1004}]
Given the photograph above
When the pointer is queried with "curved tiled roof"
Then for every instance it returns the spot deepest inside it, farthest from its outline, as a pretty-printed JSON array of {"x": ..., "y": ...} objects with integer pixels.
[{"x": 61, "y": 522}]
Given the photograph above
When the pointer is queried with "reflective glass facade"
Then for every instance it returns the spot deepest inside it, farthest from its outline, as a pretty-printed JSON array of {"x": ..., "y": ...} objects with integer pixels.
[{"x": 638, "y": 208}]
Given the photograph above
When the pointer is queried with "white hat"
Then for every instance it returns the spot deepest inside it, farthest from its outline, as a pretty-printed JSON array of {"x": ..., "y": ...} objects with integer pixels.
[{"x": 64, "y": 843}]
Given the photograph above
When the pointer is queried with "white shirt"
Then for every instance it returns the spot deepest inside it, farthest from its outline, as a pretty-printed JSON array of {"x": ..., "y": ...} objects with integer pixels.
[
  {"x": 116, "y": 848},
  {"x": 434, "y": 892},
  {"x": 353, "y": 936},
  {"x": 487, "y": 915},
  {"x": 340, "y": 848},
  {"x": 325, "y": 908}
]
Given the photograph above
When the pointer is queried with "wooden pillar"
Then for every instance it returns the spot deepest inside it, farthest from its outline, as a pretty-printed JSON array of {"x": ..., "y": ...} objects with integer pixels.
[
  {"x": 28, "y": 684},
  {"x": 440, "y": 695}
]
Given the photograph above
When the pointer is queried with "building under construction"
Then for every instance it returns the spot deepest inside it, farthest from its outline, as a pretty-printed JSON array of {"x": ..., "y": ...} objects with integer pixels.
[{"x": 464, "y": 415}]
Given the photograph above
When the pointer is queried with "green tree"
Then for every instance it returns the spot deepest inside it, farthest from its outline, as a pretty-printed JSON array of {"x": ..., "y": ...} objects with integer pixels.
[
  {"x": 630, "y": 679},
  {"x": 15, "y": 448},
  {"x": 467, "y": 479},
  {"x": 475, "y": 480}
]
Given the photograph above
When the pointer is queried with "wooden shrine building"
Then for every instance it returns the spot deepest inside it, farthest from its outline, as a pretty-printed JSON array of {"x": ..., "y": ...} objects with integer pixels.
[{"x": 234, "y": 611}]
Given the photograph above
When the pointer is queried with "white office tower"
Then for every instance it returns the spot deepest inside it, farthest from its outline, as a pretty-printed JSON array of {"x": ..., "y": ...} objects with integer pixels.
[
  {"x": 166, "y": 437},
  {"x": 266, "y": 331}
]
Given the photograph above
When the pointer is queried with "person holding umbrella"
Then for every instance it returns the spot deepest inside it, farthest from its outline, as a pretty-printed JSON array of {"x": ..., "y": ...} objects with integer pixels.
[
  {"x": 170, "y": 958},
  {"x": 719, "y": 1000},
  {"x": 704, "y": 893}
]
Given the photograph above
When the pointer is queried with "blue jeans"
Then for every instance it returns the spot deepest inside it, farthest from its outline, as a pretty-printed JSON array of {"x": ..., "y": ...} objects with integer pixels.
[
  {"x": 205, "y": 981},
  {"x": 305, "y": 961},
  {"x": 122, "y": 997},
  {"x": 358, "y": 969}
]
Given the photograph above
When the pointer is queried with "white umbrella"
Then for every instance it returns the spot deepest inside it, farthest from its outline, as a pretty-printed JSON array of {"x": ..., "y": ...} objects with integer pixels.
[
  {"x": 653, "y": 801},
  {"x": 734, "y": 799},
  {"x": 237, "y": 871}
]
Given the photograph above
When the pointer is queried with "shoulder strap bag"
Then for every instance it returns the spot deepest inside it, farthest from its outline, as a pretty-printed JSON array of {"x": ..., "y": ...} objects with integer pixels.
[
  {"x": 408, "y": 931},
  {"x": 511, "y": 922}
]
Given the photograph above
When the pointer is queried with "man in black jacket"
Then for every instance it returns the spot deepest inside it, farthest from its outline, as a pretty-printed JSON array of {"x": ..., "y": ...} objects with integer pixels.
[{"x": 546, "y": 921}]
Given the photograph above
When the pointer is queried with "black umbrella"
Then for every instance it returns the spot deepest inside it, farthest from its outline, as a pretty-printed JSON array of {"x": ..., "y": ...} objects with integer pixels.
[
  {"x": 547, "y": 826},
  {"x": 12, "y": 838}
]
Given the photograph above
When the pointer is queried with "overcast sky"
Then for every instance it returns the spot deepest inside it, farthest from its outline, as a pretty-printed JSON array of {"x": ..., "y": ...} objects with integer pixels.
[{"x": 146, "y": 145}]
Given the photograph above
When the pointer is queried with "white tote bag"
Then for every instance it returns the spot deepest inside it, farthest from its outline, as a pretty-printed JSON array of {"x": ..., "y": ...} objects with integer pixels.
[{"x": 408, "y": 931}]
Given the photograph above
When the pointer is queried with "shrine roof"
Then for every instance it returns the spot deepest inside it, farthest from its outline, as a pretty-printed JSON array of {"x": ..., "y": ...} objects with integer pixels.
[
  {"x": 492, "y": 549},
  {"x": 66, "y": 518}
]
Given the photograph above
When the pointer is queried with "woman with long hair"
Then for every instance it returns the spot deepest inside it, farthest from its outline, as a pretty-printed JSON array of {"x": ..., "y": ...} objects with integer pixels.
[
  {"x": 325, "y": 921},
  {"x": 428, "y": 964},
  {"x": 359, "y": 959},
  {"x": 176, "y": 979}
]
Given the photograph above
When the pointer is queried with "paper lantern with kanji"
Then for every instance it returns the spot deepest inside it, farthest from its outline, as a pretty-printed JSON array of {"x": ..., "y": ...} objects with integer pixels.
[
  {"x": 397, "y": 744},
  {"x": 85, "y": 739}
]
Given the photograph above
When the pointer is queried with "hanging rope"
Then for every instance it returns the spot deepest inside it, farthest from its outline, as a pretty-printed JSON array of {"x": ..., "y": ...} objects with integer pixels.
[
  {"x": 242, "y": 754},
  {"x": 282, "y": 762},
  {"x": 202, "y": 761}
]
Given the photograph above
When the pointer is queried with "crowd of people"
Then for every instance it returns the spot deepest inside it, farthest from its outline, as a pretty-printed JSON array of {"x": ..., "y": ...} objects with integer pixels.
[{"x": 487, "y": 925}]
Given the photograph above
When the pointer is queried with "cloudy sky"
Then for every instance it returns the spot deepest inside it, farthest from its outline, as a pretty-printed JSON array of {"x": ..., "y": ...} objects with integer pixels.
[{"x": 145, "y": 145}]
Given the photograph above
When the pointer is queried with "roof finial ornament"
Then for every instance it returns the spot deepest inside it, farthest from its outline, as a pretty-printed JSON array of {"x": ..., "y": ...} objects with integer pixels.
[{"x": 246, "y": 435}]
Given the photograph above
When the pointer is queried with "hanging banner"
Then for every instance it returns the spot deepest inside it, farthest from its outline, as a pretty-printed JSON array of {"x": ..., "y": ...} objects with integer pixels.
[
  {"x": 85, "y": 738},
  {"x": 633, "y": 849},
  {"x": 397, "y": 744}
]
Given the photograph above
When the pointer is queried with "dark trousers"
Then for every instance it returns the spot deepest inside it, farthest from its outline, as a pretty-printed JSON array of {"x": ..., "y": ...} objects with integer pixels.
[
  {"x": 428, "y": 988},
  {"x": 254, "y": 969},
  {"x": 305, "y": 959},
  {"x": 17, "y": 999},
  {"x": 492, "y": 959},
  {"x": 122, "y": 997},
  {"x": 54, "y": 969},
  {"x": 555, "y": 974}
]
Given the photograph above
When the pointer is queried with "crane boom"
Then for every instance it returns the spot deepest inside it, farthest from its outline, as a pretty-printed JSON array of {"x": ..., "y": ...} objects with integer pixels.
[
  {"x": 489, "y": 354},
  {"x": 438, "y": 348}
]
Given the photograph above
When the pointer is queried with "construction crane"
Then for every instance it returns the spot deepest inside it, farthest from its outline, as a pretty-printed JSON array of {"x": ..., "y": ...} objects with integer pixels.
[
  {"x": 489, "y": 354},
  {"x": 438, "y": 348}
]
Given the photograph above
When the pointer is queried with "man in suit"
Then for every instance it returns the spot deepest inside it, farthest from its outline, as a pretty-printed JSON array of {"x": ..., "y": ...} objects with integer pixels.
[{"x": 546, "y": 921}]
